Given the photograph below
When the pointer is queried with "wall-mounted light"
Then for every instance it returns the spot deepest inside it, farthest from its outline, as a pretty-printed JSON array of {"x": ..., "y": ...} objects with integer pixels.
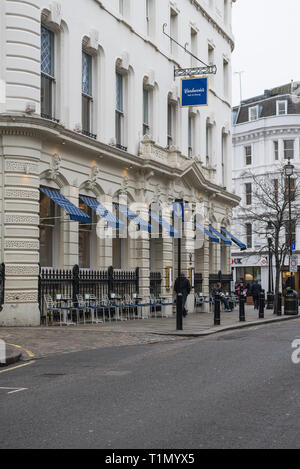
[{"x": 27, "y": 169}]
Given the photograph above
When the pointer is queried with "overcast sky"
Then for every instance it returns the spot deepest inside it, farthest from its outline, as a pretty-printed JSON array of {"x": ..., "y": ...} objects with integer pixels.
[{"x": 267, "y": 37}]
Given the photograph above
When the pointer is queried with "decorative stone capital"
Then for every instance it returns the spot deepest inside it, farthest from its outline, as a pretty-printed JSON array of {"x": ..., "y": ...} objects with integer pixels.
[
  {"x": 92, "y": 182},
  {"x": 55, "y": 167}
]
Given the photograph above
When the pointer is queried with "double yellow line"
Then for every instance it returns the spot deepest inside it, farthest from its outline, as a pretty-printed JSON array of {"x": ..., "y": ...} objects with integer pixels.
[
  {"x": 30, "y": 354},
  {"x": 16, "y": 367}
]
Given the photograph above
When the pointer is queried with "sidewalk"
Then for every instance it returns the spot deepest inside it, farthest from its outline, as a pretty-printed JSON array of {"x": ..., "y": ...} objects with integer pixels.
[{"x": 41, "y": 341}]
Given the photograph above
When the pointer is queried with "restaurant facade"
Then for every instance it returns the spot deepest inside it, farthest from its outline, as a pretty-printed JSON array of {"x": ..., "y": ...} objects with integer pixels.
[{"x": 91, "y": 125}]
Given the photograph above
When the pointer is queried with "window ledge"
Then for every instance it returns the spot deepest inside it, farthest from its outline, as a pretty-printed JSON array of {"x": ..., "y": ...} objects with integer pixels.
[
  {"x": 49, "y": 118},
  {"x": 88, "y": 134}
]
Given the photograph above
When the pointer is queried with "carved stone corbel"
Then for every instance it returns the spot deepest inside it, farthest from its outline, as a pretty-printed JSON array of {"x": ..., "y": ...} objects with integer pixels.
[
  {"x": 92, "y": 182},
  {"x": 53, "y": 172}
]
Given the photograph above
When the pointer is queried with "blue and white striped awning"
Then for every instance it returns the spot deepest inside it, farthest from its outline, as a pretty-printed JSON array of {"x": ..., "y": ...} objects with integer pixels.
[
  {"x": 142, "y": 224},
  {"x": 75, "y": 213},
  {"x": 213, "y": 238},
  {"x": 220, "y": 235},
  {"x": 234, "y": 239},
  {"x": 164, "y": 224},
  {"x": 111, "y": 219}
]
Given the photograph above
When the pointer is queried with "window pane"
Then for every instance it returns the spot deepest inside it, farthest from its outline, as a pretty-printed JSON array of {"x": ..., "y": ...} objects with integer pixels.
[
  {"x": 47, "y": 51},
  {"x": 249, "y": 235},
  {"x": 46, "y": 246},
  {"x": 119, "y": 92},
  {"x": 87, "y": 74},
  {"x": 86, "y": 113},
  {"x": 46, "y": 96},
  {"x": 119, "y": 128},
  {"x": 47, "y": 210},
  {"x": 146, "y": 107},
  {"x": 170, "y": 120},
  {"x": 248, "y": 193},
  {"x": 248, "y": 151},
  {"x": 276, "y": 150},
  {"x": 84, "y": 249},
  {"x": 289, "y": 149}
]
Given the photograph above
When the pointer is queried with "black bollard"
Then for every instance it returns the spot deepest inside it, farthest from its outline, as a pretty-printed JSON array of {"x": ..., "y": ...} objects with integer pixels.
[
  {"x": 242, "y": 308},
  {"x": 217, "y": 310},
  {"x": 262, "y": 305},
  {"x": 179, "y": 313},
  {"x": 279, "y": 304}
]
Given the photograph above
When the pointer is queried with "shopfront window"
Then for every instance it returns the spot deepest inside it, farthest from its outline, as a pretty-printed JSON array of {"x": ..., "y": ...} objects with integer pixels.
[
  {"x": 48, "y": 222},
  {"x": 248, "y": 274},
  {"x": 85, "y": 238}
]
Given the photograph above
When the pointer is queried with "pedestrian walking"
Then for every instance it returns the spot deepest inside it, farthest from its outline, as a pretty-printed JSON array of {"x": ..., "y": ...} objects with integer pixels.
[
  {"x": 255, "y": 292},
  {"x": 182, "y": 285}
]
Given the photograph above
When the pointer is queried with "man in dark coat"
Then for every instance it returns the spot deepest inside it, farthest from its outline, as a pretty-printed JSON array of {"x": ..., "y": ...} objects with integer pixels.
[
  {"x": 255, "y": 292},
  {"x": 182, "y": 285}
]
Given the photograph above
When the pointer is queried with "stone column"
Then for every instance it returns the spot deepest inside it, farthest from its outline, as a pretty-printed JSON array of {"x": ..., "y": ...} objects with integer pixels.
[
  {"x": 21, "y": 154},
  {"x": 104, "y": 243},
  {"x": 142, "y": 257},
  {"x": 206, "y": 270},
  {"x": 69, "y": 231}
]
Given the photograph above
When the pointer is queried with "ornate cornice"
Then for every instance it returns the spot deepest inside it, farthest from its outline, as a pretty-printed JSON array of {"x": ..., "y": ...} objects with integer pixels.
[
  {"x": 168, "y": 164},
  {"x": 214, "y": 23}
]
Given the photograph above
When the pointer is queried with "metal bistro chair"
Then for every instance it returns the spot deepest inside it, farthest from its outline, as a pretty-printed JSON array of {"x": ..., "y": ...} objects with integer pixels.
[
  {"x": 117, "y": 303},
  {"x": 130, "y": 307},
  {"x": 106, "y": 306},
  {"x": 67, "y": 305},
  {"x": 199, "y": 300},
  {"x": 93, "y": 305},
  {"x": 53, "y": 310},
  {"x": 84, "y": 308},
  {"x": 155, "y": 305}
]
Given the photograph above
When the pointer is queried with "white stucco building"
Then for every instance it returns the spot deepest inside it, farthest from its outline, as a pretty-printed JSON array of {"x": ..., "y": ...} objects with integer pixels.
[
  {"x": 90, "y": 108},
  {"x": 266, "y": 133}
]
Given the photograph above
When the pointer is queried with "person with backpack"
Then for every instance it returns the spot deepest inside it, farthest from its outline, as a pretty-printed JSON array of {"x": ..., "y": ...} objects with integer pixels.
[
  {"x": 255, "y": 292},
  {"x": 182, "y": 285}
]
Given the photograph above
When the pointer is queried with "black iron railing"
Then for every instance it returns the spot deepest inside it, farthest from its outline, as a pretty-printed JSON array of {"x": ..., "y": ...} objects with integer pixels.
[
  {"x": 89, "y": 134},
  {"x": 70, "y": 283},
  {"x": 225, "y": 281},
  {"x": 155, "y": 283},
  {"x": 2, "y": 285}
]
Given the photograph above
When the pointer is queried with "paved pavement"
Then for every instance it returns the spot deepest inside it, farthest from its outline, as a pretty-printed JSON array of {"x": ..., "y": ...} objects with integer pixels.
[
  {"x": 41, "y": 341},
  {"x": 238, "y": 389}
]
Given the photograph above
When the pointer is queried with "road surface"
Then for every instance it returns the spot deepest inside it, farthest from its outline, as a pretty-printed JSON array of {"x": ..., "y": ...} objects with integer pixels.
[{"x": 236, "y": 390}]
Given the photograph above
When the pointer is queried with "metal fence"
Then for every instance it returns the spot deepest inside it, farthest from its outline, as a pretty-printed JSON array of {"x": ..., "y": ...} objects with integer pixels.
[
  {"x": 70, "y": 283},
  {"x": 155, "y": 283}
]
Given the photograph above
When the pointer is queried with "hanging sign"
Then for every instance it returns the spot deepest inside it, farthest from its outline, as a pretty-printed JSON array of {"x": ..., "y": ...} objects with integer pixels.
[
  {"x": 294, "y": 263},
  {"x": 194, "y": 92}
]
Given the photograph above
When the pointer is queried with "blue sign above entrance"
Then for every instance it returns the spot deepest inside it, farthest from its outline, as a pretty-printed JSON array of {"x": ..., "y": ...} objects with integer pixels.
[{"x": 194, "y": 92}]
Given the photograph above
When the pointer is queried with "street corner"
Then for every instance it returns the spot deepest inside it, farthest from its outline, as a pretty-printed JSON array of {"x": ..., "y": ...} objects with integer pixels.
[{"x": 9, "y": 354}]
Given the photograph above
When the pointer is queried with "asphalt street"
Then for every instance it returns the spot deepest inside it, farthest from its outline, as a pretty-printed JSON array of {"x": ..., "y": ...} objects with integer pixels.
[{"x": 235, "y": 390}]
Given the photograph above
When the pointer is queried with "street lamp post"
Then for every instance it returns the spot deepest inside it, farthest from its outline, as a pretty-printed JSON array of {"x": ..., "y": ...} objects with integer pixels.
[
  {"x": 289, "y": 171},
  {"x": 270, "y": 294}
]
